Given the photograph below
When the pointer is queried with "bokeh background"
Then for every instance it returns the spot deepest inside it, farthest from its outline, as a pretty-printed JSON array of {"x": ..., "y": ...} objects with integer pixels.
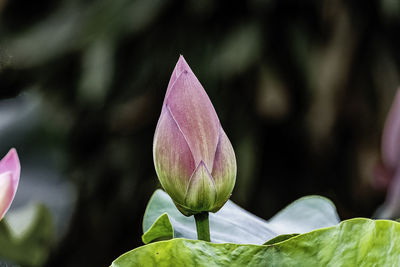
[{"x": 302, "y": 89}]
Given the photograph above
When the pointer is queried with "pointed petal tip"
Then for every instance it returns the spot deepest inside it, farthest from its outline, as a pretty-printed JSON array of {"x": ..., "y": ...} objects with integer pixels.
[
  {"x": 12, "y": 159},
  {"x": 181, "y": 58},
  {"x": 203, "y": 164},
  {"x": 12, "y": 156},
  {"x": 10, "y": 163},
  {"x": 12, "y": 153},
  {"x": 181, "y": 65}
]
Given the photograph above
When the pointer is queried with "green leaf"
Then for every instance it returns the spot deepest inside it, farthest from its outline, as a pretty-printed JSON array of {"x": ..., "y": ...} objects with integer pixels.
[
  {"x": 302, "y": 216},
  {"x": 355, "y": 242},
  {"x": 26, "y": 235},
  {"x": 160, "y": 230},
  {"x": 280, "y": 238}
]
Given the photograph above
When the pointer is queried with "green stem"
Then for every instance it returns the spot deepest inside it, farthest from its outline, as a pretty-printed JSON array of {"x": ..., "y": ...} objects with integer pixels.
[{"x": 203, "y": 226}]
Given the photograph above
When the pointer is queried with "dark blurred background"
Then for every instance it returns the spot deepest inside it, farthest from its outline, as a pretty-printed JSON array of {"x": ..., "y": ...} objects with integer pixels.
[{"x": 302, "y": 89}]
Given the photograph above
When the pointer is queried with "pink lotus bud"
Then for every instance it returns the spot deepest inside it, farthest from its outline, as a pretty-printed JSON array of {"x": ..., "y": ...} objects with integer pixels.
[
  {"x": 193, "y": 157},
  {"x": 388, "y": 173},
  {"x": 391, "y": 136},
  {"x": 9, "y": 178}
]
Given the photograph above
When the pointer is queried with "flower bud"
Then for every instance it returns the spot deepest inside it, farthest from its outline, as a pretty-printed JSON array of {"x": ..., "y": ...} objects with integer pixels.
[
  {"x": 193, "y": 157},
  {"x": 9, "y": 178},
  {"x": 387, "y": 172},
  {"x": 391, "y": 136},
  {"x": 390, "y": 147}
]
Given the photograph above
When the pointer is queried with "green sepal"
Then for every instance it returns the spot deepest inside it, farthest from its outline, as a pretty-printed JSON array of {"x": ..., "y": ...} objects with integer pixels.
[
  {"x": 160, "y": 230},
  {"x": 201, "y": 193}
]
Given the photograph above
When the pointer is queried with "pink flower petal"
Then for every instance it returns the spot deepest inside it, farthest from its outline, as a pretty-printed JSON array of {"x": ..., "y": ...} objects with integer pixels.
[
  {"x": 195, "y": 115},
  {"x": 173, "y": 159},
  {"x": 224, "y": 170},
  {"x": 10, "y": 163},
  {"x": 180, "y": 66},
  {"x": 391, "y": 136},
  {"x": 7, "y": 192}
]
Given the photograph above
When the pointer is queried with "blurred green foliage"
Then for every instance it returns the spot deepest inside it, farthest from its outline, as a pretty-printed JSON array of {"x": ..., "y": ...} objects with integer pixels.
[
  {"x": 301, "y": 89},
  {"x": 26, "y": 236}
]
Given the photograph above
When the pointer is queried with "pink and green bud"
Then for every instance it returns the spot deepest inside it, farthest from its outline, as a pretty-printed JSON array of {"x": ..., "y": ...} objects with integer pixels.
[
  {"x": 387, "y": 173},
  {"x": 385, "y": 170},
  {"x": 391, "y": 136},
  {"x": 390, "y": 147},
  {"x": 193, "y": 157},
  {"x": 9, "y": 178}
]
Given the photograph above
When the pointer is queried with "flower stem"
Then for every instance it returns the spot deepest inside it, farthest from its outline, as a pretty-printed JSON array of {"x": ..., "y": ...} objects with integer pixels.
[{"x": 203, "y": 226}]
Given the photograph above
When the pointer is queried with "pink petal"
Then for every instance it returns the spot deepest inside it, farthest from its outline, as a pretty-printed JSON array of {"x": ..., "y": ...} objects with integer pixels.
[
  {"x": 10, "y": 163},
  {"x": 180, "y": 66},
  {"x": 7, "y": 192},
  {"x": 224, "y": 170},
  {"x": 195, "y": 115},
  {"x": 391, "y": 136},
  {"x": 172, "y": 157}
]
